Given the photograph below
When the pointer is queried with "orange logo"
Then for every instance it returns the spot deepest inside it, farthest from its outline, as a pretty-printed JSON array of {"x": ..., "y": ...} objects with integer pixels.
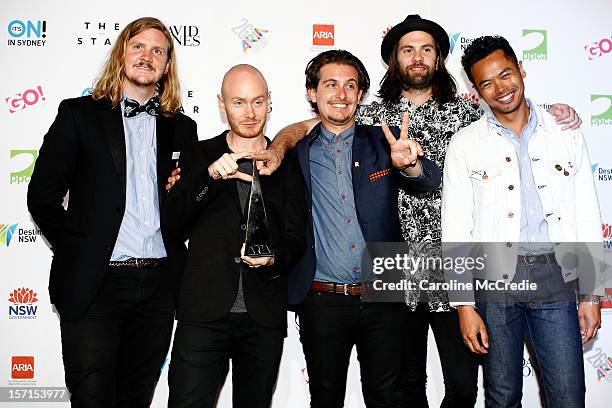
[
  {"x": 22, "y": 367},
  {"x": 323, "y": 34}
]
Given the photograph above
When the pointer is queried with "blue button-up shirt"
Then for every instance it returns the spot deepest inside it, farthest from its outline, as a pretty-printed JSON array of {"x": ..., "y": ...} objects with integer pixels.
[
  {"x": 339, "y": 241},
  {"x": 140, "y": 234},
  {"x": 534, "y": 237}
]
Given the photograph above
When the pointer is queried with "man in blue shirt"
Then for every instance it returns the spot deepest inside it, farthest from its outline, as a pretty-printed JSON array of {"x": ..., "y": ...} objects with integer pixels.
[
  {"x": 114, "y": 262},
  {"x": 353, "y": 174}
]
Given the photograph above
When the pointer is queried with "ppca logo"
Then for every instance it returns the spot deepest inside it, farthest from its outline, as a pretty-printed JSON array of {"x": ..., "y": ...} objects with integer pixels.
[
  {"x": 323, "y": 34},
  {"x": 540, "y": 51},
  {"x": 604, "y": 118},
  {"x": 24, "y": 175},
  {"x": 22, "y": 367},
  {"x": 22, "y": 306}
]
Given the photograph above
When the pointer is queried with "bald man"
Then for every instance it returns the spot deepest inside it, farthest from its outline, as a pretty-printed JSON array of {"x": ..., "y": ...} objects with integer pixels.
[{"x": 232, "y": 306}]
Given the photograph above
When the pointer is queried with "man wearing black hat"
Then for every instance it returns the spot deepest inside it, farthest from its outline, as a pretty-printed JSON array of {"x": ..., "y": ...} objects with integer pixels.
[{"x": 417, "y": 82}]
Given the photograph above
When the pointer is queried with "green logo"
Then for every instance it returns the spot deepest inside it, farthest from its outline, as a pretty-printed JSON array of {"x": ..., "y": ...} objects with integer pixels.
[
  {"x": 541, "y": 51},
  {"x": 24, "y": 175},
  {"x": 604, "y": 118}
]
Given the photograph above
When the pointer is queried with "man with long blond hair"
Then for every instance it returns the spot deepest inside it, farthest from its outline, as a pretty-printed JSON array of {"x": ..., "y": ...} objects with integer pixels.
[{"x": 114, "y": 263}]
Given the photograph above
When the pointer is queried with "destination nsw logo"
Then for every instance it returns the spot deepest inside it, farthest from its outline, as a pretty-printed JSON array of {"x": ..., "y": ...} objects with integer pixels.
[
  {"x": 24, "y": 235},
  {"x": 22, "y": 304}
]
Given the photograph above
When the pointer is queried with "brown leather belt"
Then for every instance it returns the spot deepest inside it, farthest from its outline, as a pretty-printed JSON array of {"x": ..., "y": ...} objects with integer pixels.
[
  {"x": 537, "y": 259},
  {"x": 138, "y": 263},
  {"x": 348, "y": 289}
]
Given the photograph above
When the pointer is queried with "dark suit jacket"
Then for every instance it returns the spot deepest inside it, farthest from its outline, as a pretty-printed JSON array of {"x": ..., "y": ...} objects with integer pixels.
[
  {"x": 84, "y": 153},
  {"x": 375, "y": 196},
  {"x": 209, "y": 212}
]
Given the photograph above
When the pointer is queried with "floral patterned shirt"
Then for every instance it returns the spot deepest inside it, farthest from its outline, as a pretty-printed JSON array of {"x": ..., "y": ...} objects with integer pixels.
[{"x": 432, "y": 125}]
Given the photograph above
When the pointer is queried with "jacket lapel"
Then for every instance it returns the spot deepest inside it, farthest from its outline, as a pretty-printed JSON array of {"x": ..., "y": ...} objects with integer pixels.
[
  {"x": 164, "y": 161},
  {"x": 112, "y": 123},
  {"x": 358, "y": 165}
]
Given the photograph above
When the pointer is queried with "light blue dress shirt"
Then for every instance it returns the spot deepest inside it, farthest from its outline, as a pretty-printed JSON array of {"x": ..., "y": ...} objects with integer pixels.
[
  {"x": 534, "y": 237},
  {"x": 140, "y": 233}
]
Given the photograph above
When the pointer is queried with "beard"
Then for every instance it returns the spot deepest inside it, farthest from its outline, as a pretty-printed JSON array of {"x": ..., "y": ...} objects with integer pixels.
[{"x": 422, "y": 81}]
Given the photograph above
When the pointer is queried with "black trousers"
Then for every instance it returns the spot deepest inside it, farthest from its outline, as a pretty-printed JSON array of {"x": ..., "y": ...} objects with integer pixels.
[
  {"x": 113, "y": 356},
  {"x": 200, "y": 362},
  {"x": 330, "y": 325},
  {"x": 459, "y": 365}
]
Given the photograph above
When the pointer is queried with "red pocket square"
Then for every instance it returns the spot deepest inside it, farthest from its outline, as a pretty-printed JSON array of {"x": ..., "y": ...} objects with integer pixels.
[{"x": 377, "y": 175}]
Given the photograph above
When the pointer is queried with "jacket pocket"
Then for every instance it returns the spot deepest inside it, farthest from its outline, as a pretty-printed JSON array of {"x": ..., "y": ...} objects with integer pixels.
[{"x": 485, "y": 183}]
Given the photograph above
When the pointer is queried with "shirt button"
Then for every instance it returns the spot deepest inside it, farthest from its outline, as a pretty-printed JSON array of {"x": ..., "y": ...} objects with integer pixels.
[
  {"x": 505, "y": 276},
  {"x": 243, "y": 227},
  {"x": 348, "y": 221},
  {"x": 508, "y": 159},
  {"x": 237, "y": 259},
  {"x": 343, "y": 196},
  {"x": 509, "y": 244},
  {"x": 510, "y": 214},
  {"x": 340, "y": 172},
  {"x": 511, "y": 187}
]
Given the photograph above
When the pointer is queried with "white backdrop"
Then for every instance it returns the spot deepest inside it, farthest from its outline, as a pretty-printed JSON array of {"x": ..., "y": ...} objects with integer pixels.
[{"x": 52, "y": 50}]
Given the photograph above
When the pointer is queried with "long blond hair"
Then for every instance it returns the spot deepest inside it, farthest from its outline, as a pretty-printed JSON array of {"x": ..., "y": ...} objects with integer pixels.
[{"x": 109, "y": 84}]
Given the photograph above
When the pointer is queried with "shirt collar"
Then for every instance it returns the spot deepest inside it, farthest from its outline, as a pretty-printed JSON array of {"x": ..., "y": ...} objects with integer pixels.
[
  {"x": 344, "y": 136},
  {"x": 532, "y": 122}
]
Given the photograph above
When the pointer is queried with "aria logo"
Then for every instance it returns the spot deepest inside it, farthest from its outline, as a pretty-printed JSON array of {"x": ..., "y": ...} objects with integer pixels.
[
  {"x": 606, "y": 232},
  {"x": 323, "y": 35},
  {"x": 540, "y": 51},
  {"x": 185, "y": 35},
  {"x": 96, "y": 33},
  {"x": 22, "y": 307},
  {"x": 27, "y": 33},
  {"x": 22, "y": 367},
  {"x": 604, "y": 118},
  {"x": 602, "y": 364},
  {"x": 23, "y": 176},
  {"x": 253, "y": 39}
]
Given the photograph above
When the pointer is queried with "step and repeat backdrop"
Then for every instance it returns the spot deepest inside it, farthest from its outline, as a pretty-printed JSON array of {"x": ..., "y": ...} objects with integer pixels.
[{"x": 53, "y": 50}]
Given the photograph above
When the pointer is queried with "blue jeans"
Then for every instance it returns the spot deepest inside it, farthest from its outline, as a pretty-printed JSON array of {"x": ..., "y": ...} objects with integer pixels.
[{"x": 549, "y": 320}]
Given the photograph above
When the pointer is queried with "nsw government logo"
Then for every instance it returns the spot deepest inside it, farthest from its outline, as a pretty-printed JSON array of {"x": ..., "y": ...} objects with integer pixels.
[
  {"x": 253, "y": 38},
  {"x": 22, "y": 304},
  {"x": 540, "y": 51},
  {"x": 604, "y": 118},
  {"x": 27, "y": 33},
  {"x": 323, "y": 35},
  {"x": 27, "y": 159}
]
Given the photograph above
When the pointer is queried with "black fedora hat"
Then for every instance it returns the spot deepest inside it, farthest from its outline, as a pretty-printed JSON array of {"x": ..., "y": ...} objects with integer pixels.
[{"x": 414, "y": 22}]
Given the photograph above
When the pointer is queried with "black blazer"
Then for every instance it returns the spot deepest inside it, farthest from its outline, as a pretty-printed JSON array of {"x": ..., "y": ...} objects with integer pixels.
[
  {"x": 83, "y": 153},
  {"x": 208, "y": 212},
  {"x": 375, "y": 187}
]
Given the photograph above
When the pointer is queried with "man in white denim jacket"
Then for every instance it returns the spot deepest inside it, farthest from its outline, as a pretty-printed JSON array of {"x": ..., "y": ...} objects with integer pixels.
[{"x": 513, "y": 178}]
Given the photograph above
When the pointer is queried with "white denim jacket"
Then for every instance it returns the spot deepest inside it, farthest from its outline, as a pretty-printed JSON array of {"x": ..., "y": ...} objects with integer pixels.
[{"x": 481, "y": 196}]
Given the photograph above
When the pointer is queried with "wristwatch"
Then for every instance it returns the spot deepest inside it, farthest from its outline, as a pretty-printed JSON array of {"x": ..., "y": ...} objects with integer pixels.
[{"x": 592, "y": 299}]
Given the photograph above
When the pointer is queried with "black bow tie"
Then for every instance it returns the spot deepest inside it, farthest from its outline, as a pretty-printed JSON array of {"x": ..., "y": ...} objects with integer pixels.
[{"x": 133, "y": 108}]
